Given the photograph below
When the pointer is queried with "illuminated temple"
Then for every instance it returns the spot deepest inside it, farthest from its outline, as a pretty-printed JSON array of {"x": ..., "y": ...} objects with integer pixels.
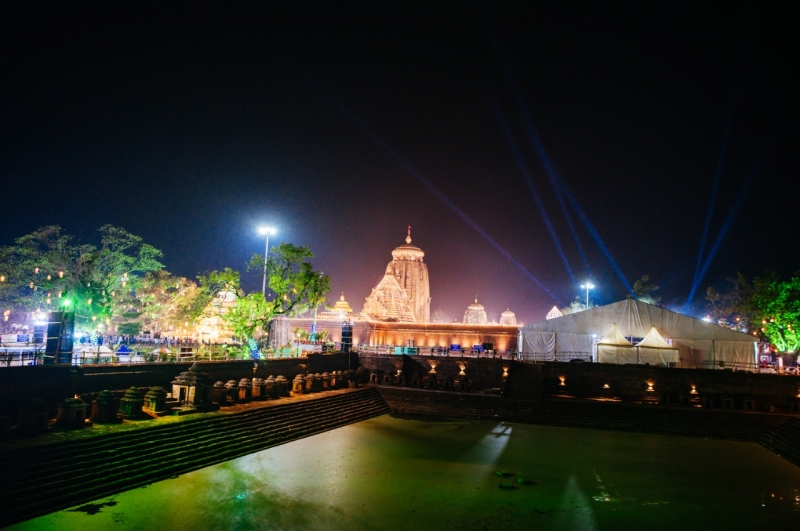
[
  {"x": 398, "y": 309},
  {"x": 404, "y": 293}
]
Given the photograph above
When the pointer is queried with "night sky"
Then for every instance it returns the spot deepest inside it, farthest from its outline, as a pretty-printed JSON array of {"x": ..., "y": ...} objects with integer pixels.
[{"x": 342, "y": 125}]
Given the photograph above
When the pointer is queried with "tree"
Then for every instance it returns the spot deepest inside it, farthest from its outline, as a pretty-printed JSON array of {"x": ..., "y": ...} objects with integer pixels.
[
  {"x": 774, "y": 307},
  {"x": 643, "y": 290},
  {"x": 46, "y": 271},
  {"x": 290, "y": 276},
  {"x": 574, "y": 307},
  {"x": 731, "y": 306}
]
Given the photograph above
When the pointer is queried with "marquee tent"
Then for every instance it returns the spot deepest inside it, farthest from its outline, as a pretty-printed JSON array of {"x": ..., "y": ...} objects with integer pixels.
[
  {"x": 654, "y": 350},
  {"x": 614, "y": 348},
  {"x": 699, "y": 343}
]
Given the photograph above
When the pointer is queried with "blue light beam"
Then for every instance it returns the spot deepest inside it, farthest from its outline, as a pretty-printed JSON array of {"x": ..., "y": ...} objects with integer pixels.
[
  {"x": 723, "y": 152},
  {"x": 725, "y": 227},
  {"x": 523, "y": 168},
  {"x": 556, "y": 181}
]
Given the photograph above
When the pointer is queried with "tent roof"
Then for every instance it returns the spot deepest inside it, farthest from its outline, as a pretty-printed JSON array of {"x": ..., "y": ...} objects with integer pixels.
[
  {"x": 635, "y": 319},
  {"x": 654, "y": 340},
  {"x": 614, "y": 337}
]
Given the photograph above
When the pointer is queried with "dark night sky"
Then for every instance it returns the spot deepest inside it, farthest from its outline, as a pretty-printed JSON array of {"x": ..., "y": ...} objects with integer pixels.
[{"x": 191, "y": 126}]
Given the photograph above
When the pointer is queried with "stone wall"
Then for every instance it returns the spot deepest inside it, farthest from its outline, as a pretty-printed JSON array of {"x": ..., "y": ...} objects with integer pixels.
[
  {"x": 55, "y": 383},
  {"x": 502, "y": 337},
  {"x": 483, "y": 373},
  {"x": 630, "y": 382}
]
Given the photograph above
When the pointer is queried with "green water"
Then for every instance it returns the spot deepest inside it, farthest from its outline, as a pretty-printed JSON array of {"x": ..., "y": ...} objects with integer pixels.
[{"x": 392, "y": 473}]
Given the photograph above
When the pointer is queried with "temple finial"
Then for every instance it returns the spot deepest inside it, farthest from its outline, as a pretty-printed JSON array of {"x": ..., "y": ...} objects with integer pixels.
[{"x": 408, "y": 238}]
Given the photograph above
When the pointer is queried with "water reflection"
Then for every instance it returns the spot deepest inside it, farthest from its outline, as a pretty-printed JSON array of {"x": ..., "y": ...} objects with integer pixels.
[{"x": 395, "y": 473}]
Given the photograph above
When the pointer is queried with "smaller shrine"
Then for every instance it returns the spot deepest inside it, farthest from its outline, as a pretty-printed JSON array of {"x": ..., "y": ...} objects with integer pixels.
[
  {"x": 192, "y": 389},
  {"x": 341, "y": 311},
  {"x": 475, "y": 314},
  {"x": 508, "y": 318}
]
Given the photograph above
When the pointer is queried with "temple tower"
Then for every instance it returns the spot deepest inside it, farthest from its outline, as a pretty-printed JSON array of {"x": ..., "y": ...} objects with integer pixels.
[
  {"x": 404, "y": 294},
  {"x": 412, "y": 274}
]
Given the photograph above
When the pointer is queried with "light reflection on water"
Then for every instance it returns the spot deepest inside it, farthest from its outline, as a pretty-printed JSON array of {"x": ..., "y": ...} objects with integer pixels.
[{"x": 392, "y": 473}]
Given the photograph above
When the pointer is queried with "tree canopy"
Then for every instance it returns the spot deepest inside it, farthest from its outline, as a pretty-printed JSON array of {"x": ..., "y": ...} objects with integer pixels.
[
  {"x": 767, "y": 306},
  {"x": 46, "y": 270}
]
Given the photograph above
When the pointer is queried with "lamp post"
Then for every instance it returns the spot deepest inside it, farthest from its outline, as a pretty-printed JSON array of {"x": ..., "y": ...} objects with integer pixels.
[
  {"x": 265, "y": 231},
  {"x": 587, "y": 287}
]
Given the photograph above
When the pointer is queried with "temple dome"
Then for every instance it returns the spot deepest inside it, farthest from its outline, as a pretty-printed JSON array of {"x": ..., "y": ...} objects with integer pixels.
[
  {"x": 475, "y": 314},
  {"x": 408, "y": 251},
  {"x": 341, "y": 306},
  {"x": 508, "y": 318}
]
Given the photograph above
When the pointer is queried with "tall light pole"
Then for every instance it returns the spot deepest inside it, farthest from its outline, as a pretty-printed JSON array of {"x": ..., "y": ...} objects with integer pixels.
[
  {"x": 265, "y": 231},
  {"x": 587, "y": 287}
]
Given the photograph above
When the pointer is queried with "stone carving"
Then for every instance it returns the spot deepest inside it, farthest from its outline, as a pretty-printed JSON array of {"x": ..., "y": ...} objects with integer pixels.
[
  {"x": 130, "y": 407},
  {"x": 72, "y": 413}
]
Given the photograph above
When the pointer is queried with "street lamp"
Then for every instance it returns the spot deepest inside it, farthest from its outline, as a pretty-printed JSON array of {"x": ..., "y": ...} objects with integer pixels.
[
  {"x": 587, "y": 287},
  {"x": 265, "y": 231}
]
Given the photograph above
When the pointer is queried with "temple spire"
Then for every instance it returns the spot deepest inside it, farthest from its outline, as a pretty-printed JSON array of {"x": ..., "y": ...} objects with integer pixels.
[{"x": 408, "y": 238}]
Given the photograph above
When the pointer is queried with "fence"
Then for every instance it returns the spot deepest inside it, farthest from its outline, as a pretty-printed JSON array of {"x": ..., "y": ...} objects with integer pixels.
[{"x": 394, "y": 350}]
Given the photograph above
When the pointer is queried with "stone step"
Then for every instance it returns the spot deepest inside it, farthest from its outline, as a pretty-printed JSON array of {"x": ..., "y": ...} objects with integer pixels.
[
  {"x": 203, "y": 445},
  {"x": 134, "y": 455},
  {"x": 120, "y": 478},
  {"x": 199, "y": 435},
  {"x": 34, "y": 455}
]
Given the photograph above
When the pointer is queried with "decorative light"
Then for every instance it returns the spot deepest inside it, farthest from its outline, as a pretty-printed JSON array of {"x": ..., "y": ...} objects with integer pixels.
[
  {"x": 94, "y": 318},
  {"x": 650, "y": 385},
  {"x": 88, "y": 301},
  {"x": 49, "y": 300},
  {"x": 36, "y": 270},
  {"x": 30, "y": 285},
  {"x": 60, "y": 274},
  {"x": 563, "y": 381},
  {"x": 49, "y": 277},
  {"x": 2, "y": 278},
  {"x": 606, "y": 386},
  {"x": 694, "y": 390}
]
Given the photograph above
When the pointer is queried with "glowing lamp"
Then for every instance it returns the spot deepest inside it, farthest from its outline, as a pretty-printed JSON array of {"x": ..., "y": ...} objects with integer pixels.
[
  {"x": 563, "y": 381},
  {"x": 49, "y": 277},
  {"x": 60, "y": 274},
  {"x": 650, "y": 385},
  {"x": 2, "y": 278}
]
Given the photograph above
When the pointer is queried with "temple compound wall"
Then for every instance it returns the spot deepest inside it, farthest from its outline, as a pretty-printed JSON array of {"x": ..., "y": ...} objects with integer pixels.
[{"x": 431, "y": 335}]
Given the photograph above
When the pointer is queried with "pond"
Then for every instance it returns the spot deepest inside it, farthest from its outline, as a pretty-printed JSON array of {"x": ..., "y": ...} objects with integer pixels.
[{"x": 411, "y": 473}]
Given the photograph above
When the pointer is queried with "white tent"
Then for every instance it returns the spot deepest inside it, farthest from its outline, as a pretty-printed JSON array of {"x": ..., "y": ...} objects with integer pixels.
[
  {"x": 614, "y": 348},
  {"x": 654, "y": 350},
  {"x": 101, "y": 350},
  {"x": 699, "y": 343}
]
